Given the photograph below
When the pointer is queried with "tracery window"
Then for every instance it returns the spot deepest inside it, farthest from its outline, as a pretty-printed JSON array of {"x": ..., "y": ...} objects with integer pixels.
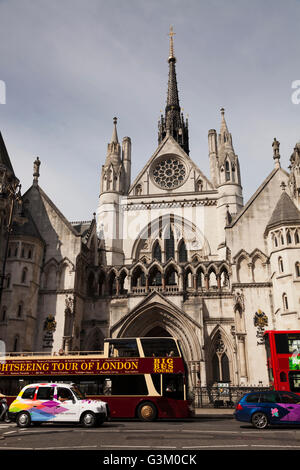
[{"x": 169, "y": 173}]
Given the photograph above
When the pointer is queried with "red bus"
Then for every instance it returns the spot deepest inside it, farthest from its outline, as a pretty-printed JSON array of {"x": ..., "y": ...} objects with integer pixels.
[
  {"x": 283, "y": 359},
  {"x": 141, "y": 378}
]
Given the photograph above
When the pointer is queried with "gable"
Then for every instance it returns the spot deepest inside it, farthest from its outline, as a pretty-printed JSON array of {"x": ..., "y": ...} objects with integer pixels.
[
  {"x": 248, "y": 228},
  {"x": 60, "y": 237},
  {"x": 169, "y": 171}
]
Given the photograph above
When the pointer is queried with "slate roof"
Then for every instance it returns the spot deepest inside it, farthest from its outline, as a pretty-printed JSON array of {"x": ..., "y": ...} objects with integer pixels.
[
  {"x": 4, "y": 157},
  {"x": 285, "y": 212},
  {"x": 28, "y": 228}
]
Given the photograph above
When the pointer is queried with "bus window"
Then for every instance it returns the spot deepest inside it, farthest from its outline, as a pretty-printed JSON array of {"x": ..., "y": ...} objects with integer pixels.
[
  {"x": 287, "y": 343},
  {"x": 294, "y": 342},
  {"x": 173, "y": 386},
  {"x": 159, "y": 347},
  {"x": 283, "y": 377},
  {"x": 294, "y": 380},
  {"x": 123, "y": 348}
]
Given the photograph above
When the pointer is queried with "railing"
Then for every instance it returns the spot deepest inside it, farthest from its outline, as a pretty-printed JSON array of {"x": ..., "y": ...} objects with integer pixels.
[
  {"x": 55, "y": 354},
  {"x": 221, "y": 397}
]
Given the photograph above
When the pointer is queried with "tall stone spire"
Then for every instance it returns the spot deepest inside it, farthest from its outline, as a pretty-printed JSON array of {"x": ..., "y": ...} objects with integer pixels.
[{"x": 173, "y": 122}]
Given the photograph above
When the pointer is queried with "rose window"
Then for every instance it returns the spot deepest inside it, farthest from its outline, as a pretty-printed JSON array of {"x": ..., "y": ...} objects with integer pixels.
[{"x": 169, "y": 173}]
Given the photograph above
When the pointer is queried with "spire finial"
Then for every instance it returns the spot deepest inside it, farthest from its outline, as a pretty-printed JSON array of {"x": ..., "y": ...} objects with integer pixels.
[
  {"x": 114, "y": 137},
  {"x": 171, "y": 35},
  {"x": 36, "y": 170}
]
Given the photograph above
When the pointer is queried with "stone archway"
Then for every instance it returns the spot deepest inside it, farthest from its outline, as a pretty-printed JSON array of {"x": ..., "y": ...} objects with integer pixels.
[{"x": 158, "y": 315}]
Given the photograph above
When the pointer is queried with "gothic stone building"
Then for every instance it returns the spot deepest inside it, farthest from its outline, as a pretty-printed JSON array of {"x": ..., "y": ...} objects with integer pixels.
[{"x": 171, "y": 253}]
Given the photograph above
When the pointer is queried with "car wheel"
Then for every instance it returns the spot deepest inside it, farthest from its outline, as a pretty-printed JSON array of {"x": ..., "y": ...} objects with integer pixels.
[
  {"x": 23, "y": 419},
  {"x": 259, "y": 420},
  {"x": 88, "y": 419},
  {"x": 147, "y": 411}
]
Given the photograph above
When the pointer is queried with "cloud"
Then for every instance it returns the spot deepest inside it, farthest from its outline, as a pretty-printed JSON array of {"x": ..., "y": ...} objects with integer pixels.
[{"x": 70, "y": 66}]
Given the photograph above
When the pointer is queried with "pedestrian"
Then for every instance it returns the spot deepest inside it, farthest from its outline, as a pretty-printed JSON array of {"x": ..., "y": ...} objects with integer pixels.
[{"x": 4, "y": 407}]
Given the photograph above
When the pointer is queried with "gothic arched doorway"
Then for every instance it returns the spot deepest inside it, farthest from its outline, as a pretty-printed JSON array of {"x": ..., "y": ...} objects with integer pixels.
[{"x": 158, "y": 332}]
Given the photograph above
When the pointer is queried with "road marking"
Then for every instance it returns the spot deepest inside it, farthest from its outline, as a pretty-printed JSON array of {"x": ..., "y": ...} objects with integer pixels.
[{"x": 214, "y": 447}]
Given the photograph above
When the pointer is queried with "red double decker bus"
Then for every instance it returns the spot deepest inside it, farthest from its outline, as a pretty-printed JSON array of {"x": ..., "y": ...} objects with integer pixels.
[
  {"x": 141, "y": 378},
  {"x": 283, "y": 359}
]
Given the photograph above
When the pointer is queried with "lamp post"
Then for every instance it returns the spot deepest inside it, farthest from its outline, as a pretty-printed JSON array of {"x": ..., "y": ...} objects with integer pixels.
[{"x": 10, "y": 193}]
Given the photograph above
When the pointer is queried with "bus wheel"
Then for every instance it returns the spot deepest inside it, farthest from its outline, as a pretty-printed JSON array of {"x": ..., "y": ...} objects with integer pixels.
[
  {"x": 88, "y": 419},
  {"x": 259, "y": 420},
  {"x": 147, "y": 411},
  {"x": 23, "y": 419}
]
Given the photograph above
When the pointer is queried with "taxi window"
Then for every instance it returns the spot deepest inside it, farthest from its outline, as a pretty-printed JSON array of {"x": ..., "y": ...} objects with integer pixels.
[
  {"x": 45, "y": 393},
  {"x": 28, "y": 394}
]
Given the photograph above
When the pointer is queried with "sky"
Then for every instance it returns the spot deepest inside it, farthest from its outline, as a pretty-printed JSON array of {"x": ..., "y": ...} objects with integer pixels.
[{"x": 68, "y": 67}]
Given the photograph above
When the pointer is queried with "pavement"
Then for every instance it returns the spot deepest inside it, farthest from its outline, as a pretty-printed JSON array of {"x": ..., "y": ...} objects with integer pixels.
[{"x": 214, "y": 412}]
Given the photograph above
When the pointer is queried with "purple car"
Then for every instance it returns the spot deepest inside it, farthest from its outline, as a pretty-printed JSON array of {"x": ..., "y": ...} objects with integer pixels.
[{"x": 270, "y": 407}]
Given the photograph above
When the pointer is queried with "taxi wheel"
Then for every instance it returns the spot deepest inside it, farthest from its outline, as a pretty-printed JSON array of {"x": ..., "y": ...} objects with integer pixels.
[
  {"x": 259, "y": 420},
  {"x": 88, "y": 419},
  {"x": 23, "y": 419},
  {"x": 147, "y": 411}
]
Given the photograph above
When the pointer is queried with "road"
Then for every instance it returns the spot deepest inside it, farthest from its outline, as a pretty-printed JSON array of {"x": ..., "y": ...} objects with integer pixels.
[{"x": 195, "y": 434}]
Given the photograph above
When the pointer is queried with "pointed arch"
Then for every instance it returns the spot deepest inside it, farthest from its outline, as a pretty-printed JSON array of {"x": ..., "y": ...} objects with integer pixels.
[
  {"x": 156, "y": 251},
  {"x": 182, "y": 252},
  {"x": 220, "y": 357}
]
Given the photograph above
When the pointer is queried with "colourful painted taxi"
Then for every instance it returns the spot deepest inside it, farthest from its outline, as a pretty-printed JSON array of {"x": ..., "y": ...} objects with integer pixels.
[
  {"x": 56, "y": 402},
  {"x": 269, "y": 407}
]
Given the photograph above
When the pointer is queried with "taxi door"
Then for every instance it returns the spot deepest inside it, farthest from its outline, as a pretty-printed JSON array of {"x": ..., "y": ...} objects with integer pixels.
[{"x": 67, "y": 406}]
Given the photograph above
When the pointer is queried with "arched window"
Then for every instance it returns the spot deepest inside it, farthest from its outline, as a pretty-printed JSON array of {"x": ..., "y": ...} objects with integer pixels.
[
  {"x": 297, "y": 237},
  {"x": 24, "y": 276},
  {"x": 200, "y": 279},
  {"x": 138, "y": 190},
  {"x": 285, "y": 302},
  {"x": 169, "y": 244},
  {"x": 20, "y": 310},
  {"x": 157, "y": 251},
  {"x": 275, "y": 241},
  {"x": 91, "y": 284},
  {"x": 4, "y": 310},
  {"x": 281, "y": 239},
  {"x": 8, "y": 277},
  {"x": 212, "y": 279},
  {"x": 112, "y": 283},
  {"x": 155, "y": 278},
  {"x": 182, "y": 253},
  {"x": 199, "y": 185},
  {"x": 29, "y": 254},
  {"x": 227, "y": 171},
  {"x": 280, "y": 264},
  {"x": 171, "y": 276},
  {"x": 16, "y": 344},
  {"x": 233, "y": 173},
  {"x": 288, "y": 237},
  {"x": 101, "y": 284},
  {"x": 138, "y": 278},
  {"x": 297, "y": 267}
]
